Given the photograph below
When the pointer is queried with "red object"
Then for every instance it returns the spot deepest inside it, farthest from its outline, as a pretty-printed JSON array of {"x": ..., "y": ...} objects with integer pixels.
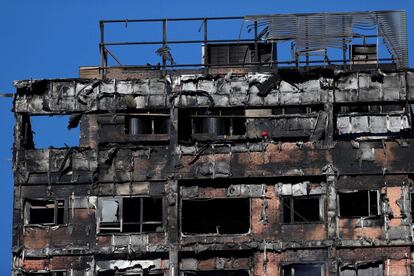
[{"x": 264, "y": 133}]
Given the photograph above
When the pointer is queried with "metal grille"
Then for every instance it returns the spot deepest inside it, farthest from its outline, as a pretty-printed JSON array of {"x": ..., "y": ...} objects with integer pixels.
[{"x": 332, "y": 30}]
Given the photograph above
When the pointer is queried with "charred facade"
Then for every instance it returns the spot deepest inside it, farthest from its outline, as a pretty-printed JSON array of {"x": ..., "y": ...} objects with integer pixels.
[{"x": 228, "y": 169}]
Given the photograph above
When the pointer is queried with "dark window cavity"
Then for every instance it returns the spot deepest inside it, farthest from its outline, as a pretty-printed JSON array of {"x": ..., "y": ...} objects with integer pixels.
[
  {"x": 302, "y": 270},
  {"x": 45, "y": 212},
  {"x": 219, "y": 122},
  {"x": 130, "y": 215},
  {"x": 145, "y": 124},
  {"x": 216, "y": 216},
  {"x": 142, "y": 214},
  {"x": 207, "y": 125},
  {"x": 371, "y": 269},
  {"x": 359, "y": 204},
  {"x": 302, "y": 209}
]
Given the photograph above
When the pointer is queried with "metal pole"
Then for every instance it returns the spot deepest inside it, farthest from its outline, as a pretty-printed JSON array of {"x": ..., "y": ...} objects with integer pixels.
[
  {"x": 256, "y": 45},
  {"x": 376, "y": 19},
  {"x": 343, "y": 42},
  {"x": 175, "y": 19},
  {"x": 206, "y": 55},
  {"x": 177, "y": 42},
  {"x": 307, "y": 41},
  {"x": 102, "y": 53},
  {"x": 164, "y": 42}
]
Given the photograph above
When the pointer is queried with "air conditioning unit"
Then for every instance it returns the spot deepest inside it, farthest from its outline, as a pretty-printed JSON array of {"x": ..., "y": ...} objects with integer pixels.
[
  {"x": 364, "y": 54},
  {"x": 236, "y": 53}
]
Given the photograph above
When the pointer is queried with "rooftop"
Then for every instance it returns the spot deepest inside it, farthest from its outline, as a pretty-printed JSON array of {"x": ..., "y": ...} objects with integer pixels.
[{"x": 257, "y": 42}]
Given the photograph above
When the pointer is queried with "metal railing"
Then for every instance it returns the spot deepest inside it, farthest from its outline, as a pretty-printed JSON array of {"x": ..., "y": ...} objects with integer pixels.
[{"x": 204, "y": 27}]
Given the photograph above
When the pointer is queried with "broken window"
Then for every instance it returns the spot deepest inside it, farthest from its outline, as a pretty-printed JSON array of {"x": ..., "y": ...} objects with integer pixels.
[
  {"x": 130, "y": 215},
  {"x": 302, "y": 270},
  {"x": 302, "y": 209},
  {"x": 67, "y": 131},
  {"x": 219, "y": 122},
  {"x": 144, "y": 127},
  {"x": 45, "y": 212},
  {"x": 241, "y": 124},
  {"x": 150, "y": 123},
  {"x": 359, "y": 204},
  {"x": 217, "y": 273},
  {"x": 27, "y": 141},
  {"x": 203, "y": 124},
  {"x": 110, "y": 220},
  {"x": 371, "y": 269},
  {"x": 216, "y": 216},
  {"x": 142, "y": 214}
]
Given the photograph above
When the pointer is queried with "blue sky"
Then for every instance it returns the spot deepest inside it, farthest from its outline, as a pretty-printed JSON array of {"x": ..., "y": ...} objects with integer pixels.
[{"x": 51, "y": 39}]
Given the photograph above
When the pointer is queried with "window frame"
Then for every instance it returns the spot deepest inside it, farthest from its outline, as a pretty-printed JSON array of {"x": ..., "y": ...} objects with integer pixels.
[
  {"x": 321, "y": 199},
  {"x": 190, "y": 234},
  {"x": 121, "y": 222},
  {"x": 149, "y": 116},
  {"x": 292, "y": 267},
  {"x": 378, "y": 213},
  {"x": 194, "y": 115},
  {"x": 379, "y": 264},
  {"x": 56, "y": 201}
]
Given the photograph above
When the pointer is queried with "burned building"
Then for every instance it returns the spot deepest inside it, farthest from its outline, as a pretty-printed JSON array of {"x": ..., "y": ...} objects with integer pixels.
[{"x": 249, "y": 163}]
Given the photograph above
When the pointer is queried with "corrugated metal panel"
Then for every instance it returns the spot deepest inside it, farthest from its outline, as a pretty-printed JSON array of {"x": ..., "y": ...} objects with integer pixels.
[{"x": 327, "y": 30}]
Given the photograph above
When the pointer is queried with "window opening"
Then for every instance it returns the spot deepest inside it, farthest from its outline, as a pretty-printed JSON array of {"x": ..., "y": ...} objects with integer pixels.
[
  {"x": 359, "y": 203},
  {"x": 45, "y": 212},
  {"x": 372, "y": 269},
  {"x": 131, "y": 215},
  {"x": 302, "y": 270},
  {"x": 145, "y": 124},
  {"x": 301, "y": 209},
  {"x": 64, "y": 133},
  {"x": 216, "y": 216}
]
